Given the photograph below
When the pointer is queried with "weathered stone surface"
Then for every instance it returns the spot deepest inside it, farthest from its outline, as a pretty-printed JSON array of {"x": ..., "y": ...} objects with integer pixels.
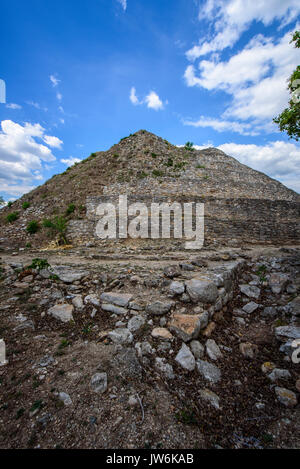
[
  {"x": 291, "y": 332},
  {"x": 209, "y": 396},
  {"x": 121, "y": 336},
  {"x": 159, "y": 307},
  {"x": 3, "y": 360},
  {"x": 161, "y": 333},
  {"x": 68, "y": 274},
  {"x": 99, "y": 383},
  {"x": 135, "y": 323},
  {"x": 209, "y": 329},
  {"x": 278, "y": 282},
  {"x": 118, "y": 299},
  {"x": 250, "y": 307},
  {"x": 209, "y": 371},
  {"x": 164, "y": 367},
  {"x": 114, "y": 309},
  {"x": 176, "y": 288},
  {"x": 203, "y": 318},
  {"x": 185, "y": 326},
  {"x": 286, "y": 397},
  {"x": 251, "y": 291},
  {"x": 248, "y": 350},
  {"x": 197, "y": 349},
  {"x": 92, "y": 299},
  {"x": 295, "y": 306},
  {"x": 213, "y": 350},
  {"x": 278, "y": 374},
  {"x": 201, "y": 291},
  {"x": 144, "y": 348},
  {"x": 62, "y": 312},
  {"x": 172, "y": 271},
  {"x": 25, "y": 325},
  {"x": 269, "y": 311},
  {"x": 185, "y": 358},
  {"x": 65, "y": 398},
  {"x": 78, "y": 302}
]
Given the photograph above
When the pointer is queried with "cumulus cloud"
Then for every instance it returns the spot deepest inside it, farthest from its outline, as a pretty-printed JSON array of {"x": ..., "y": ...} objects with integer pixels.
[
  {"x": 152, "y": 100},
  {"x": 280, "y": 160},
  {"x": 232, "y": 17},
  {"x": 255, "y": 78},
  {"x": 22, "y": 155},
  {"x": 53, "y": 142},
  {"x": 13, "y": 106},
  {"x": 123, "y": 4},
  {"x": 70, "y": 161}
]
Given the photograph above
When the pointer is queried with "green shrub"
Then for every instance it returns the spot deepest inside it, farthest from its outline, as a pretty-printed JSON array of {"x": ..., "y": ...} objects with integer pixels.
[
  {"x": 154, "y": 155},
  {"x": 39, "y": 264},
  {"x": 47, "y": 223},
  {"x": 70, "y": 209},
  {"x": 25, "y": 205},
  {"x": 32, "y": 227},
  {"x": 157, "y": 173},
  {"x": 189, "y": 146},
  {"x": 57, "y": 225},
  {"x": 11, "y": 217},
  {"x": 9, "y": 204}
]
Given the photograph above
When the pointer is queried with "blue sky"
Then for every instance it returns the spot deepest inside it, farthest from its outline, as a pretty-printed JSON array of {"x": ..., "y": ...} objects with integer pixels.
[{"x": 81, "y": 75}]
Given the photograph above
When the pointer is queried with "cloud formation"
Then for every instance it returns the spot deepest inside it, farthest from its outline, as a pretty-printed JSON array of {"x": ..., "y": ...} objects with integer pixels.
[
  {"x": 232, "y": 17},
  {"x": 123, "y": 4},
  {"x": 22, "y": 155},
  {"x": 152, "y": 100},
  {"x": 255, "y": 78}
]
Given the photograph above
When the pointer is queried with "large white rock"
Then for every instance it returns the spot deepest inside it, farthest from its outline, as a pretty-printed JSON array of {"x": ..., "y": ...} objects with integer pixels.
[
  {"x": 119, "y": 299},
  {"x": 209, "y": 371},
  {"x": 201, "y": 291},
  {"x": 63, "y": 312},
  {"x": 185, "y": 358},
  {"x": 121, "y": 336}
]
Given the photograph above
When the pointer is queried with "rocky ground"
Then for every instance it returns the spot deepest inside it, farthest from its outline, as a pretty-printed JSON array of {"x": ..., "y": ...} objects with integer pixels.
[{"x": 149, "y": 350}]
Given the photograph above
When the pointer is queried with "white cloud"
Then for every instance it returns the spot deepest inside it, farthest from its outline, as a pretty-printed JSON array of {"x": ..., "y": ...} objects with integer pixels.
[
  {"x": 153, "y": 101},
  {"x": 54, "y": 80},
  {"x": 13, "y": 106},
  {"x": 232, "y": 17},
  {"x": 123, "y": 4},
  {"x": 222, "y": 125},
  {"x": 53, "y": 142},
  {"x": 133, "y": 97},
  {"x": 70, "y": 161},
  {"x": 255, "y": 77},
  {"x": 280, "y": 160},
  {"x": 21, "y": 156},
  {"x": 15, "y": 190},
  {"x": 59, "y": 96}
]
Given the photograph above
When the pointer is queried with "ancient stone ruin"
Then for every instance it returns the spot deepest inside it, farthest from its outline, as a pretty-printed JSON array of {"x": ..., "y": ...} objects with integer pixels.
[{"x": 140, "y": 343}]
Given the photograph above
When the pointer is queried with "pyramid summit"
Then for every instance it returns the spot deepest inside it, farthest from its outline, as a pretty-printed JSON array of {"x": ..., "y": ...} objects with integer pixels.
[{"x": 241, "y": 204}]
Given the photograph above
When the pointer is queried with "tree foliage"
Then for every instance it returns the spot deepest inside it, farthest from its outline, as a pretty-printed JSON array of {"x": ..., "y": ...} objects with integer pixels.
[{"x": 289, "y": 120}]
